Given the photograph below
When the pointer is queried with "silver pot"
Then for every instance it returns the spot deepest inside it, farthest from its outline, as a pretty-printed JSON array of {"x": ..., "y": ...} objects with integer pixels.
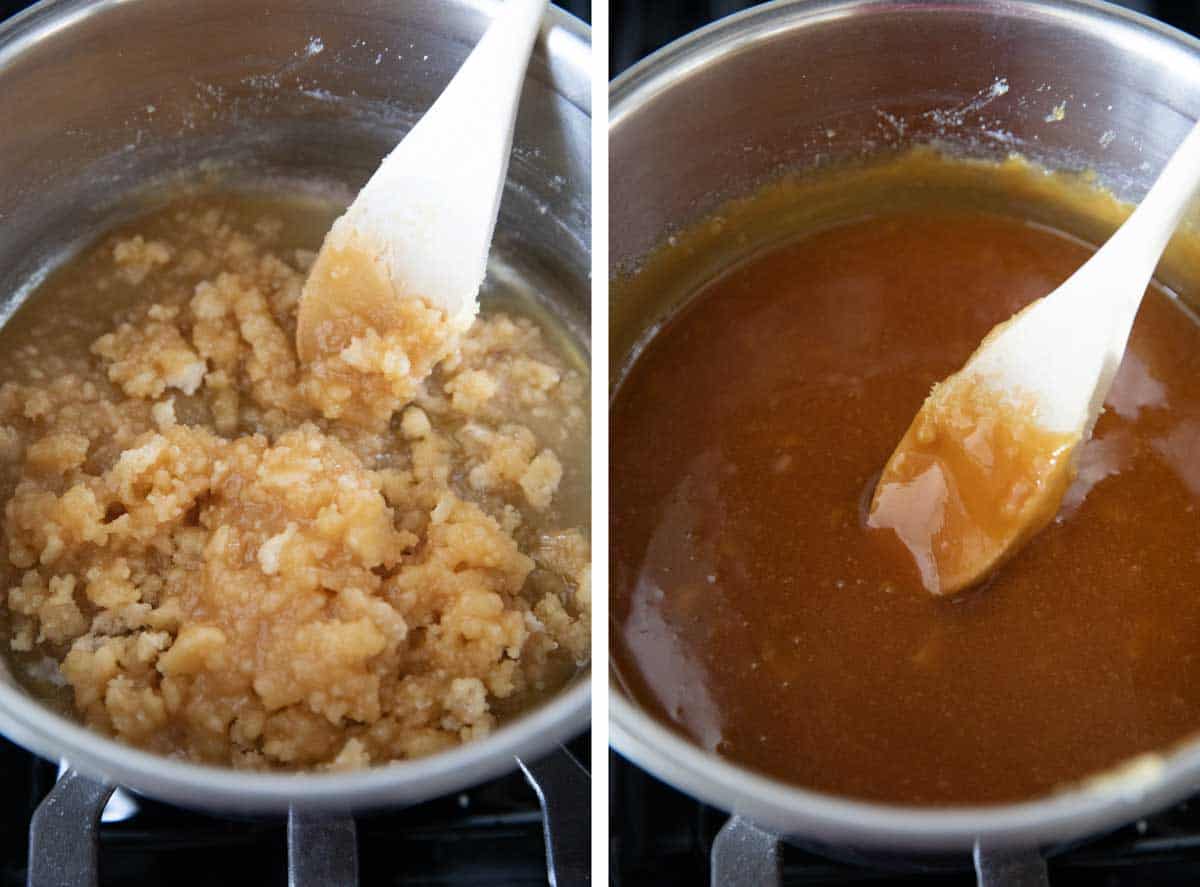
[
  {"x": 101, "y": 98},
  {"x": 792, "y": 85}
]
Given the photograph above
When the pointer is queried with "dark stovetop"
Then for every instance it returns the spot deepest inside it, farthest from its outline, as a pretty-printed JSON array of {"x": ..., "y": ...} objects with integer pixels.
[
  {"x": 489, "y": 835},
  {"x": 662, "y": 837}
]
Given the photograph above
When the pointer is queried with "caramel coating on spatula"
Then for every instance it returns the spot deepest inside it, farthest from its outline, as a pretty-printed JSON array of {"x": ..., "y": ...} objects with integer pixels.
[{"x": 973, "y": 478}]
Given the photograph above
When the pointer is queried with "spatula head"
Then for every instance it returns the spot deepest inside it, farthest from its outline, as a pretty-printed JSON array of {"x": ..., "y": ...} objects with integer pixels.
[{"x": 974, "y": 477}]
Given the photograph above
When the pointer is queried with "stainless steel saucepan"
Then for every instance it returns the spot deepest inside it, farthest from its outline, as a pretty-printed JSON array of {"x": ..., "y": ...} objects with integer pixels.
[
  {"x": 100, "y": 99},
  {"x": 792, "y": 85}
]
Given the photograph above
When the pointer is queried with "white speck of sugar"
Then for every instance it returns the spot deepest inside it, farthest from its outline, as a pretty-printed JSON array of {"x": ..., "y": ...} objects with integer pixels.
[{"x": 269, "y": 551}]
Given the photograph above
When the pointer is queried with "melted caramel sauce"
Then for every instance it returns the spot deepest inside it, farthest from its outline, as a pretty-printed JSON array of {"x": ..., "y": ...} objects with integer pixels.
[
  {"x": 755, "y": 611},
  {"x": 973, "y": 478}
]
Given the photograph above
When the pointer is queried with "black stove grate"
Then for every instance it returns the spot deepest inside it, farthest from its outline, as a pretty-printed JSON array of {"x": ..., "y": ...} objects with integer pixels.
[
  {"x": 662, "y": 837},
  {"x": 489, "y": 835}
]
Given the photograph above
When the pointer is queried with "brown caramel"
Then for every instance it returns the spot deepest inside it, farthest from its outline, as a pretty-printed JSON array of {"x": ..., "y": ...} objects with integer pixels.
[
  {"x": 973, "y": 478},
  {"x": 753, "y": 608}
]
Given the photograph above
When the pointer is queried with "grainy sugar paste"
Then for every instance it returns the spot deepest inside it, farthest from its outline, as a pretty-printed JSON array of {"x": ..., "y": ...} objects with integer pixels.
[{"x": 215, "y": 552}]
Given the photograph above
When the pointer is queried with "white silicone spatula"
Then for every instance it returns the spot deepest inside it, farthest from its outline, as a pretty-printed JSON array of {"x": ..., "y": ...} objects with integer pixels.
[
  {"x": 991, "y": 452},
  {"x": 427, "y": 215}
]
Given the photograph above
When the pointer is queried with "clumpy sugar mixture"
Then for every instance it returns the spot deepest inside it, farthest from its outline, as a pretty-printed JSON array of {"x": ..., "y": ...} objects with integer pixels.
[{"x": 215, "y": 552}]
